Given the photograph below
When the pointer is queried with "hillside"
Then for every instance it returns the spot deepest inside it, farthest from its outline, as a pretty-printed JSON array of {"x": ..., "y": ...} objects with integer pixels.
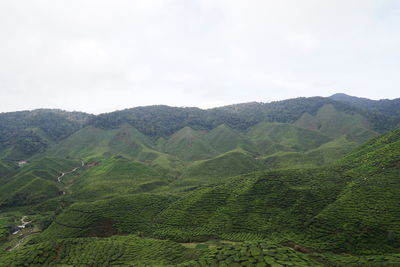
[
  {"x": 367, "y": 211},
  {"x": 207, "y": 153},
  {"x": 387, "y": 107},
  {"x": 300, "y": 182},
  {"x": 312, "y": 132},
  {"x": 164, "y": 121},
  {"x": 25, "y": 133},
  {"x": 351, "y": 206},
  {"x": 35, "y": 182},
  {"x": 187, "y": 144},
  {"x": 319, "y": 191}
]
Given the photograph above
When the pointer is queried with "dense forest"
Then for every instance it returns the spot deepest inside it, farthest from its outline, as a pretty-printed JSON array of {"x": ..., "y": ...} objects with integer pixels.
[
  {"x": 164, "y": 120},
  {"x": 30, "y": 132}
]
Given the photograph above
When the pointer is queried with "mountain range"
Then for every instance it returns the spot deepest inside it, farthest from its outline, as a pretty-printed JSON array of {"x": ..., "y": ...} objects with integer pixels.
[{"x": 300, "y": 182}]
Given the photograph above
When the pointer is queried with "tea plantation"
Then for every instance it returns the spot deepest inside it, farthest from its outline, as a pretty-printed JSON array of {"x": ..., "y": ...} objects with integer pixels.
[{"x": 245, "y": 185}]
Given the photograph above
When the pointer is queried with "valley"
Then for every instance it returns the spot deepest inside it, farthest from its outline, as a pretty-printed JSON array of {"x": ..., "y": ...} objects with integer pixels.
[{"x": 300, "y": 182}]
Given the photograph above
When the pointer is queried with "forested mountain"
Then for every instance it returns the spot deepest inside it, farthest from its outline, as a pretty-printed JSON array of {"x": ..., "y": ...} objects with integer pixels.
[
  {"x": 300, "y": 182},
  {"x": 24, "y": 133},
  {"x": 164, "y": 120},
  {"x": 390, "y": 108}
]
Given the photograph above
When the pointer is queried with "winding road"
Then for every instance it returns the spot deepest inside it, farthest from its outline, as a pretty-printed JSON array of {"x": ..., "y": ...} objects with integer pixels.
[
  {"x": 64, "y": 173},
  {"x": 74, "y": 170}
]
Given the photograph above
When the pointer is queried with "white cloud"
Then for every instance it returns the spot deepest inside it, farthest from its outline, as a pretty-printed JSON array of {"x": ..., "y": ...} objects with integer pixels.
[{"x": 97, "y": 56}]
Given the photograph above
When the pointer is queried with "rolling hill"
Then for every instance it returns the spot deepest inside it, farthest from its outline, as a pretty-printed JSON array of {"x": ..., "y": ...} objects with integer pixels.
[
  {"x": 307, "y": 200},
  {"x": 300, "y": 182}
]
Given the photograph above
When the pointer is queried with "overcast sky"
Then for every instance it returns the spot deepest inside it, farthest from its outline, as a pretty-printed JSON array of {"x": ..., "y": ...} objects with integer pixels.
[{"x": 98, "y": 56}]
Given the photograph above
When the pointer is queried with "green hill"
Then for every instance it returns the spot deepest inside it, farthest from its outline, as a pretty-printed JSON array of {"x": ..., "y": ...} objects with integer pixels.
[
  {"x": 221, "y": 152},
  {"x": 300, "y": 182},
  {"x": 274, "y": 137},
  {"x": 352, "y": 206},
  {"x": 258, "y": 205},
  {"x": 224, "y": 139},
  {"x": 334, "y": 123},
  {"x": 115, "y": 176},
  {"x": 26, "y": 133},
  {"x": 365, "y": 217},
  {"x": 323, "y": 155},
  {"x": 35, "y": 182},
  {"x": 130, "y": 214},
  {"x": 91, "y": 144},
  {"x": 325, "y": 208},
  {"x": 7, "y": 168},
  {"x": 191, "y": 145},
  {"x": 157, "y": 121},
  {"x": 387, "y": 107},
  {"x": 171, "y": 139},
  {"x": 113, "y": 251},
  {"x": 229, "y": 164},
  {"x": 188, "y": 145},
  {"x": 95, "y": 142}
]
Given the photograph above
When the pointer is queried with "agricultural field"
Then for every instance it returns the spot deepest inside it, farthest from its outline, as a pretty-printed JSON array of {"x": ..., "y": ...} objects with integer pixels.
[{"x": 309, "y": 182}]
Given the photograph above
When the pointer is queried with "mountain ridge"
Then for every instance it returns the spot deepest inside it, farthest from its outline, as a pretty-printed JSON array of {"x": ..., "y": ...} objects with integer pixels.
[
  {"x": 300, "y": 182},
  {"x": 388, "y": 107}
]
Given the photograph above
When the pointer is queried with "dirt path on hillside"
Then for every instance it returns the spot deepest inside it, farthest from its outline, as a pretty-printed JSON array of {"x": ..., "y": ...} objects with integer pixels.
[{"x": 73, "y": 170}]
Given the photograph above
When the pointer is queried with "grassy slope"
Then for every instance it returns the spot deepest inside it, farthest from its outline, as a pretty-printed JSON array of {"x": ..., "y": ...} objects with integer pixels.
[
  {"x": 318, "y": 140},
  {"x": 338, "y": 206},
  {"x": 136, "y": 251},
  {"x": 188, "y": 145},
  {"x": 6, "y": 169},
  {"x": 353, "y": 206},
  {"x": 92, "y": 143},
  {"x": 234, "y": 210},
  {"x": 224, "y": 139},
  {"x": 114, "y": 251},
  {"x": 308, "y": 145},
  {"x": 285, "y": 146},
  {"x": 366, "y": 216},
  {"x": 191, "y": 145},
  {"x": 132, "y": 250},
  {"x": 253, "y": 254},
  {"x": 229, "y": 164},
  {"x": 273, "y": 137},
  {"x": 114, "y": 176},
  {"x": 257, "y": 205},
  {"x": 334, "y": 123},
  {"x": 120, "y": 215},
  {"x": 323, "y": 155},
  {"x": 223, "y": 151},
  {"x": 35, "y": 182},
  {"x": 274, "y": 204}
]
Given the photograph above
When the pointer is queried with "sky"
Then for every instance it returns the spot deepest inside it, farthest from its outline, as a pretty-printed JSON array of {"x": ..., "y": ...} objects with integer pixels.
[{"x": 98, "y": 56}]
